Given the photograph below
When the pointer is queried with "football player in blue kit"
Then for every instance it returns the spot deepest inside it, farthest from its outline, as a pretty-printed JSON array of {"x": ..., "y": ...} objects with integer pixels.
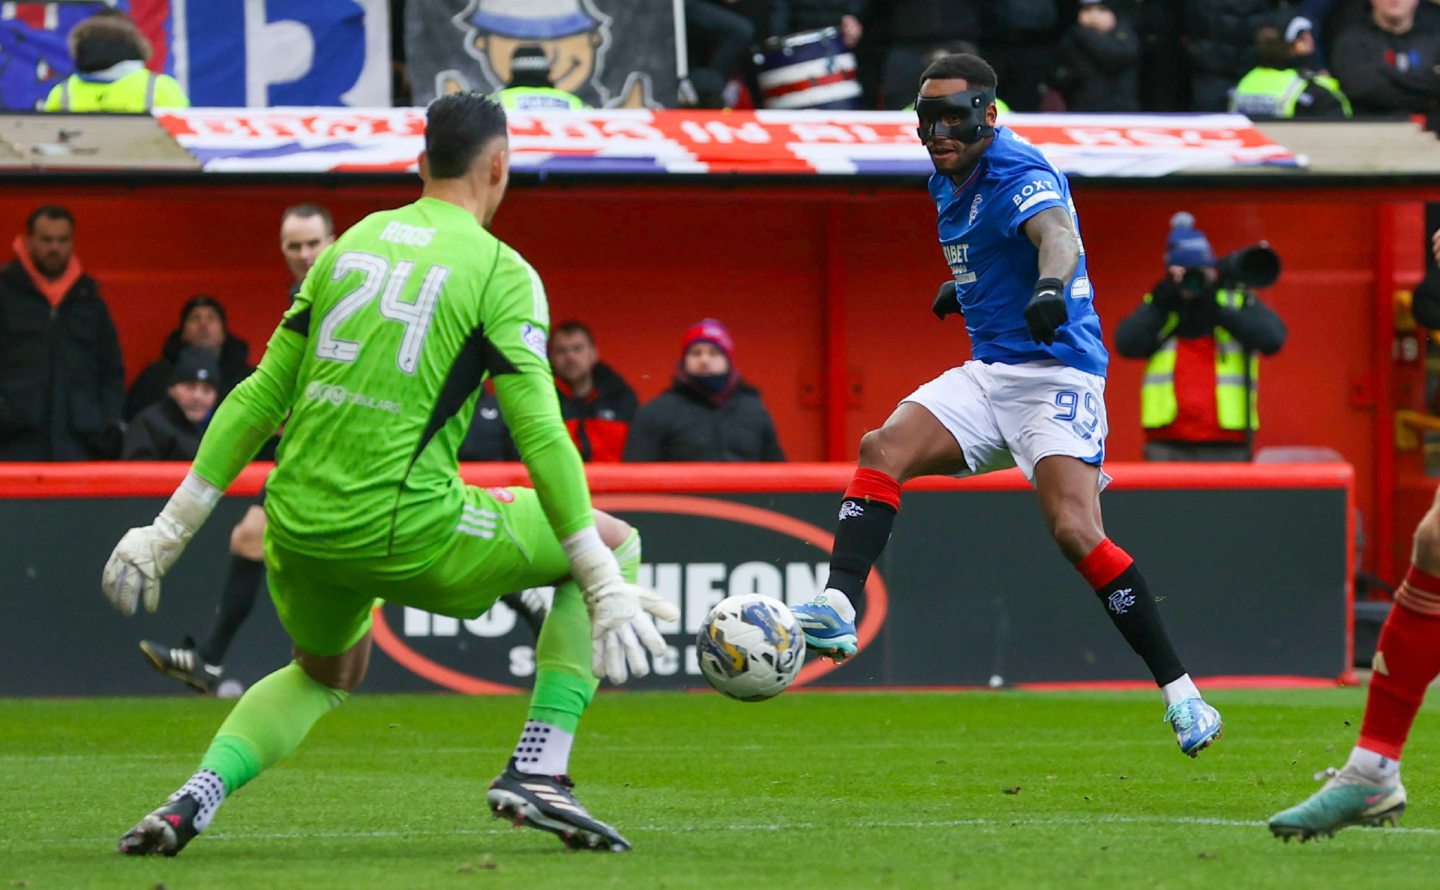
[{"x": 1032, "y": 396}]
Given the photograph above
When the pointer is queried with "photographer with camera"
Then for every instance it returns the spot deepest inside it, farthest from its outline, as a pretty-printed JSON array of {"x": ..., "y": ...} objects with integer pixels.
[{"x": 1201, "y": 328}]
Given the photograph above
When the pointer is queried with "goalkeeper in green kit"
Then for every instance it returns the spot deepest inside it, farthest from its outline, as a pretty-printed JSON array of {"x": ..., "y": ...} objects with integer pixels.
[{"x": 377, "y": 365}]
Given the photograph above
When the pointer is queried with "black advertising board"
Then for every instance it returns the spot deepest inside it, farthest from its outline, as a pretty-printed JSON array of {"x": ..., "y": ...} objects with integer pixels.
[{"x": 971, "y": 590}]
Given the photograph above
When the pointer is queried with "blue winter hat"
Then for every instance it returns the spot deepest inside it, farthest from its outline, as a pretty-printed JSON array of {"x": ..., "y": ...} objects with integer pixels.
[{"x": 1187, "y": 246}]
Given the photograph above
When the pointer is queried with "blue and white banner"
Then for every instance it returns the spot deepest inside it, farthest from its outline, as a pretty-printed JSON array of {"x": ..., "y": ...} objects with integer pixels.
[
  {"x": 33, "y": 53},
  {"x": 253, "y": 53},
  {"x": 259, "y": 53}
]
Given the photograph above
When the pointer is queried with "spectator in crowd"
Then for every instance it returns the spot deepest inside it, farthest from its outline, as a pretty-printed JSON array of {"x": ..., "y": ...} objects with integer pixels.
[
  {"x": 1220, "y": 41},
  {"x": 170, "y": 429},
  {"x": 709, "y": 413},
  {"x": 1164, "y": 80},
  {"x": 305, "y": 230},
  {"x": 1019, "y": 42},
  {"x": 1388, "y": 63},
  {"x": 596, "y": 402},
  {"x": 1200, "y": 335},
  {"x": 718, "y": 39},
  {"x": 792, "y": 16},
  {"x": 918, "y": 28},
  {"x": 488, "y": 438},
  {"x": 202, "y": 324},
  {"x": 1099, "y": 61},
  {"x": 1278, "y": 87},
  {"x": 62, "y": 379},
  {"x": 530, "y": 86},
  {"x": 109, "y": 53}
]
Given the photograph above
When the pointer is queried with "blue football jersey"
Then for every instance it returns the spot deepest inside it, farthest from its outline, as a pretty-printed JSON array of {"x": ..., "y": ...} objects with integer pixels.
[{"x": 995, "y": 266}]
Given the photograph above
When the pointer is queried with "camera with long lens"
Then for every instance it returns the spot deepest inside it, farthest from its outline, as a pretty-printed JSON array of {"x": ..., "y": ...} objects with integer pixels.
[{"x": 1253, "y": 266}]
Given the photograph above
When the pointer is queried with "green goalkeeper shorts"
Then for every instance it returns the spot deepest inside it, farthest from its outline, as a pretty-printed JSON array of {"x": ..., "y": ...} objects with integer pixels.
[{"x": 500, "y": 544}]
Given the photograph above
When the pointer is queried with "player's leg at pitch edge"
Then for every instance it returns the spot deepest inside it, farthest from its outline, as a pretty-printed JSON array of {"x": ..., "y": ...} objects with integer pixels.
[
  {"x": 1347, "y": 798},
  {"x": 183, "y": 663},
  {"x": 535, "y": 789}
]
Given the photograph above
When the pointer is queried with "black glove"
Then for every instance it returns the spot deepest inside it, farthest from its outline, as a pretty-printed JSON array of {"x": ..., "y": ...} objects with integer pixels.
[
  {"x": 1165, "y": 295},
  {"x": 946, "y": 302},
  {"x": 1046, "y": 311}
]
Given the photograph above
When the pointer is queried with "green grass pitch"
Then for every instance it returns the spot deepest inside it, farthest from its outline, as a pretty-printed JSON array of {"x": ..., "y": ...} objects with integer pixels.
[{"x": 984, "y": 789}]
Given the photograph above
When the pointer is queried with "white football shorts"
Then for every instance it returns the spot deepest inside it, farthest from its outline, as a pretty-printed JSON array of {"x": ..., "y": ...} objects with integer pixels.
[{"x": 1013, "y": 415}]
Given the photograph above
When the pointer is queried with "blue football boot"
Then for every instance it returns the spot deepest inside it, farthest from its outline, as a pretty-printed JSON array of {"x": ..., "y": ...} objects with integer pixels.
[
  {"x": 829, "y": 624},
  {"x": 1196, "y": 725}
]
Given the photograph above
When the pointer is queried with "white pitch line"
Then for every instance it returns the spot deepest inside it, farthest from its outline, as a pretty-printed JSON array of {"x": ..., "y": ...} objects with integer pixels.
[
  {"x": 916, "y": 824},
  {"x": 978, "y": 822}
]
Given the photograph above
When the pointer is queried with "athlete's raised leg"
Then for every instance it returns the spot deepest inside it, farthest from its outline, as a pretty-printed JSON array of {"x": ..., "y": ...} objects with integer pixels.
[{"x": 912, "y": 443}]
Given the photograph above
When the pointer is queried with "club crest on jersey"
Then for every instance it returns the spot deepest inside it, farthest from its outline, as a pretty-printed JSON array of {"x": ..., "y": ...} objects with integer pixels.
[
  {"x": 533, "y": 338},
  {"x": 974, "y": 209}
]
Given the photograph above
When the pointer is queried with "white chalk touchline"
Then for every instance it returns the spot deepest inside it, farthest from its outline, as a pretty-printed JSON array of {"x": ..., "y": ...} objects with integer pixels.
[{"x": 977, "y": 822}]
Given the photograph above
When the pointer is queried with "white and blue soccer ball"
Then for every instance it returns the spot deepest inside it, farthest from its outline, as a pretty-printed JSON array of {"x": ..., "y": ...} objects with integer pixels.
[{"x": 750, "y": 647}]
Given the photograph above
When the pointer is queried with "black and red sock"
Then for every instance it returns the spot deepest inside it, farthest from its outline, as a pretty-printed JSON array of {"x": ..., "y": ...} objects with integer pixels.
[
  {"x": 1111, "y": 572},
  {"x": 867, "y": 513}
]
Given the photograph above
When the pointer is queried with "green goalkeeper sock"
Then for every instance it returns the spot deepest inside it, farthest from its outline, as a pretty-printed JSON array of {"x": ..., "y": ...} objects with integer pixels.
[
  {"x": 564, "y": 680},
  {"x": 271, "y": 719}
]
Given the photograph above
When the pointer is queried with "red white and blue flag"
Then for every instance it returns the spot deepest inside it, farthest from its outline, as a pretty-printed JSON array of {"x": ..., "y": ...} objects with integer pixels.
[{"x": 668, "y": 142}]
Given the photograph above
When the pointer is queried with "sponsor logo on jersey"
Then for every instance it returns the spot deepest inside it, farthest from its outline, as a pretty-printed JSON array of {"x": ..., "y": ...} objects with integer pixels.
[
  {"x": 534, "y": 339},
  {"x": 958, "y": 256},
  {"x": 337, "y": 395}
]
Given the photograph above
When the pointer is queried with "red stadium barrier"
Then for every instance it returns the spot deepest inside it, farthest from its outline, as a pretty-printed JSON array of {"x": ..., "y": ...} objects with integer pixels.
[{"x": 138, "y": 479}]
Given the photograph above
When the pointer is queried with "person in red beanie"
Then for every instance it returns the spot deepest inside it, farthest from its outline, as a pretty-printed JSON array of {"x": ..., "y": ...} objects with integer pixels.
[{"x": 708, "y": 413}]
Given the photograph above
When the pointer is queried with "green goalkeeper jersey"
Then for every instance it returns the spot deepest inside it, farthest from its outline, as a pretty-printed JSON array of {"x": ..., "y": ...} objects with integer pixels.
[{"x": 379, "y": 363}]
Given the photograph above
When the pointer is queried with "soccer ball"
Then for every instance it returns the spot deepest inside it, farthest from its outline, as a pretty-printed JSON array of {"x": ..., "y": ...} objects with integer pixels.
[{"x": 750, "y": 647}]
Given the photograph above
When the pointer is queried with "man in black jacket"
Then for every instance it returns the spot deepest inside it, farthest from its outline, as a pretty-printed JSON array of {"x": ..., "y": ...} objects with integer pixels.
[
  {"x": 170, "y": 429},
  {"x": 595, "y": 401},
  {"x": 62, "y": 378},
  {"x": 202, "y": 324},
  {"x": 1387, "y": 63},
  {"x": 1220, "y": 39},
  {"x": 709, "y": 414},
  {"x": 1100, "y": 61}
]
